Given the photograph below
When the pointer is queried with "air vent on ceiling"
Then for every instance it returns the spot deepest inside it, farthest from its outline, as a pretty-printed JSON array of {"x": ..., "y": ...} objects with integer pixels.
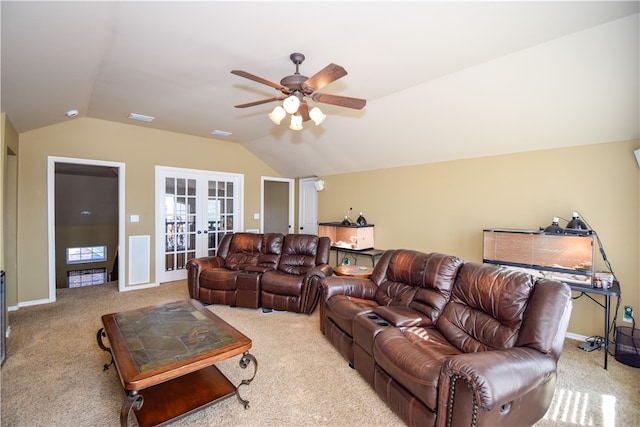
[{"x": 141, "y": 117}]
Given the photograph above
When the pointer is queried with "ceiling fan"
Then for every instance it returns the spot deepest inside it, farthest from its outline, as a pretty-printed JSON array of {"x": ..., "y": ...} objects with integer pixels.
[{"x": 296, "y": 87}]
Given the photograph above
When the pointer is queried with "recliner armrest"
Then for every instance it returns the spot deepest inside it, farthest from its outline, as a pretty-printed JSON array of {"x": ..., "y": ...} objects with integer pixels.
[
  {"x": 350, "y": 286},
  {"x": 195, "y": 266},
  {"x": 496, "y": 377},
  {"x": 400, "y": 316}
]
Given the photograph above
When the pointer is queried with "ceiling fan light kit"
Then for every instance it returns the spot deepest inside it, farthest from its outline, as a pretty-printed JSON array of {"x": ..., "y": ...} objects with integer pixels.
[{"x": 296, "y": 87}]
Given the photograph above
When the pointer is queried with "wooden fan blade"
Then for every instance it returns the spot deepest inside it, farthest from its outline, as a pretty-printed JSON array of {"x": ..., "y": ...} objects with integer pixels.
[
  {"x": 262, "y": 101},
  {"x": 303, "y": 109},
  {"x": 328, "y": 74},
  {"x": 260, "y": 80},
  {"x": 342, "y": 101}
]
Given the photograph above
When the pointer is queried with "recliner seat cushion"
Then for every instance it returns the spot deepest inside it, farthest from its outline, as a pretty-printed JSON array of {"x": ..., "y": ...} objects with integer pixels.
[
  {"x": 280, "y": 283},
  {"x": 219, "y": 279}
]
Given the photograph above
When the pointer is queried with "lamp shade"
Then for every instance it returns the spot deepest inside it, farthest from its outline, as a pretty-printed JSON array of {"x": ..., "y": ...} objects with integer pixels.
[
  {"x": 291, "y": 104},
  {"x": 317, "y": 115},
  {"x": 296, "y": 122},
  {"x": 277, "y": 115}
]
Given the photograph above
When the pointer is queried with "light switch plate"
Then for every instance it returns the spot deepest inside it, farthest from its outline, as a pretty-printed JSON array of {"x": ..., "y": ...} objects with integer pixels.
[{"x": 135, "y": 218}]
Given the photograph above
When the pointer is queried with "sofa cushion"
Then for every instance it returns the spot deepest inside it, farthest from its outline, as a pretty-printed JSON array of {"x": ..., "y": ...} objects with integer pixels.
[
  {"x": 432, "y": 295},
  {"x": 486, "y": 308},
  {"x": 414, "y": 357},
  {"x": 219, "y": 279},
  {"x": 244, "y": 250},
  {"x": 281, "y": 283},
  {"x": 299, "y": 253},
  {"x": 271, "y": 250}
]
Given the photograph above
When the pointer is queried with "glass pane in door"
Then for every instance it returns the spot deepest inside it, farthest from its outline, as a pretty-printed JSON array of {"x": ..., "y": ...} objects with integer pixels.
[
  {"x": 180, "y": 217},
  {"x": 217, "y": 218}
]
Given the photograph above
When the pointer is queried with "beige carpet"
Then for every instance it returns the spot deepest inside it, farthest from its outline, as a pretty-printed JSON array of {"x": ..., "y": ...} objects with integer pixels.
[{"x": 53, "y": 372}]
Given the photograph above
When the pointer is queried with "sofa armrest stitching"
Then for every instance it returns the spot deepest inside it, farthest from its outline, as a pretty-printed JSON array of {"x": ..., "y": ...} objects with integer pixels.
[{"x": 452, "y": 392}]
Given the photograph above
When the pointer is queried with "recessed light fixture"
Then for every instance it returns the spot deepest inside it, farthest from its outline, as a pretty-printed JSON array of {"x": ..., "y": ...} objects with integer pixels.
[
  {"x": 220, "y": 133},
  {"x": 141, "y": 117},
  {"x": 85, "y": 213},
  {"x": 71, "y": 113}
]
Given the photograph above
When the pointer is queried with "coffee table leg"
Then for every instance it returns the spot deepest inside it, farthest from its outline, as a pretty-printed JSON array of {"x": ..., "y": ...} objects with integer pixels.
[
  {"x": 101, "y": 334},
  {"x": 132, "y": 401},
  {"x": 244, "y": 362}
]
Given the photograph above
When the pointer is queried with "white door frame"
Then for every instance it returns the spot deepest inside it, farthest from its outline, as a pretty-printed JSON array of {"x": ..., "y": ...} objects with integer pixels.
[
  {"x": 51, "y": 217},
  {"x": 291, "y": 214}
]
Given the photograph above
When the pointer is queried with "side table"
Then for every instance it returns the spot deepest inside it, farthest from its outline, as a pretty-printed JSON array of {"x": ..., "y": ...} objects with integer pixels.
[{"x": 353, "y": 271}]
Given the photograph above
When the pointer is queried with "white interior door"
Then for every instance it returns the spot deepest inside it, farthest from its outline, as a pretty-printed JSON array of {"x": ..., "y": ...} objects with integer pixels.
[
  {"x": 194, "y": 209},
  {"x": 308, "y": 213}
]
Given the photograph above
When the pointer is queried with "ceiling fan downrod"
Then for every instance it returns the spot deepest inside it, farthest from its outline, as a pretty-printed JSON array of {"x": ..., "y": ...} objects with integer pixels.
[{"x": 297, "y": 59}]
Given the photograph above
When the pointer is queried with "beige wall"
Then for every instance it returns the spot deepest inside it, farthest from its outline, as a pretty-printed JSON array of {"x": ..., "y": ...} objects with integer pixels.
[
  {"x": 432, "y": 207},
  {"x": 141, "y": 149},
  {"x": 445, "y": 206}
]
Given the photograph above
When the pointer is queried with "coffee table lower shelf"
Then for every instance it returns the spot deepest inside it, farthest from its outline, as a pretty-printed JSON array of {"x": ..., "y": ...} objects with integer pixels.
[{"x": 181, "y": 396}]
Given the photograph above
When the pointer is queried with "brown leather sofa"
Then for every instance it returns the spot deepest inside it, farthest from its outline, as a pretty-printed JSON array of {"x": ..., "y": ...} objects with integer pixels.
[
  {"x": 445, "y": 343},
  {"x": 271, "y": 270}
]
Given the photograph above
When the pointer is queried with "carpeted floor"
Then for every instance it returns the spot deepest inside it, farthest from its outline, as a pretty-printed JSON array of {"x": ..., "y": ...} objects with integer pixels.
[{"x": 53, "y": 372}]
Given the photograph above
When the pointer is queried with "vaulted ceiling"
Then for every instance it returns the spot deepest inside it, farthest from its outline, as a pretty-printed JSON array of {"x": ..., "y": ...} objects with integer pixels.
[{"x": 443, "y": 80}]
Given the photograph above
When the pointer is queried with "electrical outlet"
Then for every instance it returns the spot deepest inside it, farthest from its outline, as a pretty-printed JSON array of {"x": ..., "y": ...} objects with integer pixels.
[{"x": 627, "y": 314}]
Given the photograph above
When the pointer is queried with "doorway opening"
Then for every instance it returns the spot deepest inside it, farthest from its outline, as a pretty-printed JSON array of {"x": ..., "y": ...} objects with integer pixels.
[
  {"x": 277, "y": 205},
  {"x": 86, "y": 217}
]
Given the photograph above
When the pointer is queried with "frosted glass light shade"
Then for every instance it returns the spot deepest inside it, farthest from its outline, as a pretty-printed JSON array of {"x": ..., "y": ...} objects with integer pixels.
[
  {"x": 277, "y": 115},
  {"x": 317, "y": 115},
  {"x": 296, "y": 122},
  {"x": 291, "y": 104}
]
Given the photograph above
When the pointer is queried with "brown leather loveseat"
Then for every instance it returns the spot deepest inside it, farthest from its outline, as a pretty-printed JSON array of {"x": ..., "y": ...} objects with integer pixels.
[
  {"x": 271, "y": 270},
  {"x": 445, "y": 343}
]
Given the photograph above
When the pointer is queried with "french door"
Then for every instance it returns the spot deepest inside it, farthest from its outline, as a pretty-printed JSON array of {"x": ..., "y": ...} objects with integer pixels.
[{"x": 194, "y": 210}]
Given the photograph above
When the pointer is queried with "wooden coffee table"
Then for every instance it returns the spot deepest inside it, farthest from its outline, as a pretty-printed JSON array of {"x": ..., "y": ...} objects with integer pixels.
[{"x": 165, "y": 357}]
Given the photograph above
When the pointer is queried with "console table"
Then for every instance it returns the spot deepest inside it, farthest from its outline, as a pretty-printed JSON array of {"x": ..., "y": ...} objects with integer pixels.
[
  {"x": 567, "y": 258},
  {"x": 613, "y": 291},
  {"x": 373, "y": 253}
]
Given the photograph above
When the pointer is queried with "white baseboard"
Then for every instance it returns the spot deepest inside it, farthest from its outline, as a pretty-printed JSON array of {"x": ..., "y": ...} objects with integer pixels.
[{"x": 576, "y": 337}]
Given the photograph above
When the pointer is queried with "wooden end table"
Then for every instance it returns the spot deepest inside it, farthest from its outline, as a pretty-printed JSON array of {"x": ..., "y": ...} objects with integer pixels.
[
  {"x": 353, "y": 271},
  {"x": 165, "y": 357}
]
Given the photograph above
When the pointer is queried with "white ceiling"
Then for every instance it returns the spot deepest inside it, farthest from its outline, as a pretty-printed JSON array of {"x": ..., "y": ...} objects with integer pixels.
[{"x": 443, "y": 80}]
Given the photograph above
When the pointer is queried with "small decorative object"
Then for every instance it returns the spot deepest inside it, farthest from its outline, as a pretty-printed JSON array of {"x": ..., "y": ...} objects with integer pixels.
[
  {"x": 554, "y": 228},
  {"x": 361, "y": 221},
  {"x": 347, "y": 218},
  {"x": 576, "y": 223}
]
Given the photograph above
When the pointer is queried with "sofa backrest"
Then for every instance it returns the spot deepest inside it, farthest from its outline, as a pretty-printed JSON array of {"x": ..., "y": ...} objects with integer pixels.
[
  {"x": 416, "y": 279},
  {"x": 244, "y": 250},
  {"x": 435, "y": 290},
  {"x": 299, "y": 253},
  {"x": 271, "y": 250},
  {"x": 486, "y": 308}
]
